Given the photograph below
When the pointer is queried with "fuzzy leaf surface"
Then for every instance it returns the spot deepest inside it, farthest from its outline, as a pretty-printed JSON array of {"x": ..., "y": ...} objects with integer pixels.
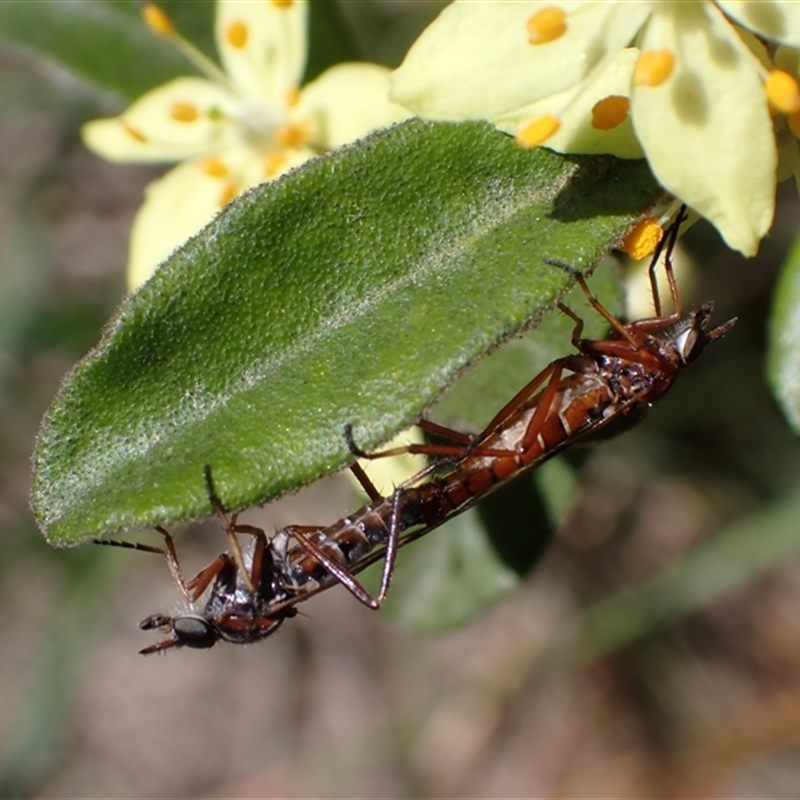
[{"x": 353, "y": 290}]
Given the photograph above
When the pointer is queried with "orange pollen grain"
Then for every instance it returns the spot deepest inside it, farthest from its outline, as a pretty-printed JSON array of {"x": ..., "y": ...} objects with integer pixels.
[
  {"x": 214, "y": 168},
  {"x": 282, "y": 3},
  {"x": 794, "y": 123},
  {"x": 133, "y": 132},
  {"x": 610, "y": 112},
  {"x": 538, "y": 131},
  {"x": 157, "y": 20},
  {"x": 291, "y": 135},
  {"x": 653, "y": 68},
  {"x": 782, "y": 91},
  {"x": 643, "y": 239},
  {"x": 237, "y": 34},
  {"x": 546, "y": 25},
  {"x": 184, "y": 112},
  {"x": 292, "y": 96},
  {"x": 226, "y": 195},
  {"x": 273, "y": 163}
]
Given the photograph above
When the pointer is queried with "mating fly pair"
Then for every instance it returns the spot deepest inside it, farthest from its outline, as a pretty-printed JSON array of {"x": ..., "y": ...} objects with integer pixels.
[{"x": 569, "y": 400}]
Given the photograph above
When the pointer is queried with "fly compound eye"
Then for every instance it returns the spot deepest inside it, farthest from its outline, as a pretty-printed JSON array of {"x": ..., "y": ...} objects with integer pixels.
[
  {"x": 194, "y": 631},
  {"x": 690, "y": 344}
]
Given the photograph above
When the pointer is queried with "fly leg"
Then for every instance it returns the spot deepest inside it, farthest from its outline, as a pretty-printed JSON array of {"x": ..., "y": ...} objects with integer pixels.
[
  {"x": 415, "y": 449},
  {"x": 619, "y": 327},
  {"x": 340, "y": 572},
  {"x": 230, "y": 527},
  {"x": 191, "y": 589},
  {"x": 667, "y": 241}
]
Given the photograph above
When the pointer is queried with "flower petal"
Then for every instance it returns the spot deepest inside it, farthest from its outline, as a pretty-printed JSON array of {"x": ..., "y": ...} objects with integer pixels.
[
  {"x": 388, "y": 473},
  {"x": 175, "y": 207},
  {"x": 347, "y": 102},
  {"x": 574, "y": 109},
  {"x": 272, "y": 164},
  {"x": 779, "y": 21},
  {"x": 706, "y": 128},
  {"x": 475, "y": 60},
  {"x": 263, "y": 45},
  {"x": 181, "y": 119}
]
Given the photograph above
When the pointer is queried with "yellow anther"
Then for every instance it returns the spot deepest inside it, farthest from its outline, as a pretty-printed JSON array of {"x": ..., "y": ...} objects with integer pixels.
[
  {"x": 291, "y": 135},
  {"x": 292, "y": 96},
  {"x": 643, "y": 239},
  {"x": 157, "y": 20},
  {"x": 184, "y": 112},
  {"x": 133, "y": 132},
  {"x": 783, "y": 92},
  {"x": 282, "y": 3},
  {"x": 538, "y": 131},
  {"x": 273, "y": 163},
  {"x": 653, "y": 67},
  {"x": 546, "y": 25},
  {"x": 794, "y": 123},
  {"x": 226, "y": 195},
  {"x": 237, "y": 34},
  {"x": 610, "y": 112},
  {"x": 214, "y": 168}
]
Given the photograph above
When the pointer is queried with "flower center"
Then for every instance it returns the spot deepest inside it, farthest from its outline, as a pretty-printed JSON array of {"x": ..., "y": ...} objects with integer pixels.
[
  {"x": 265, "y": 126},
  {"x": 259, "y": 122}
]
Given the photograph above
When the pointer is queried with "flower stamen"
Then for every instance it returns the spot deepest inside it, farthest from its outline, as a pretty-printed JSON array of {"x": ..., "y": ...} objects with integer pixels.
[
  {"x": 653, "y": 68},
  {"x": 155, "y": 19},
  {"x": 282, "y": 3},
  {"x": 133, "y": 131},
  {"x": 610, "y": 112},
  {"x": 794, "y": 123},
  {"x": 643, "y": 239},
  {"x": 292, "y": 96},
  {"x": 292, "y": 135},
  {"x": 782, "y": 91},
  {"x": 214, "y": 168},
  {"x": 184, "y": 112},
  {"x": 546, "y": 25},
  {"x": 237, "y": 34},
  {"x": 538, "y": 131},
  {"x": 226, "y": 195},
  {"x": 273, "y": 161}
]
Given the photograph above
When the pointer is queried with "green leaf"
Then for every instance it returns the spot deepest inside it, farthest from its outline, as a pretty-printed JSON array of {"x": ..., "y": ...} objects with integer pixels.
[
  {"x": 351, "y": 291},
  {"x": 474, "y": 400},
  {"x": 783, "y": 366},
  {"x": 100, "y": 41}
]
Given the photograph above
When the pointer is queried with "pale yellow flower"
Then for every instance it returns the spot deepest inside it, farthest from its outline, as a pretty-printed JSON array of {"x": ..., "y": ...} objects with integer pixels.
[
  {"x": 388, "y": 473},
  {"x": 238, "y": 127},
  {"x": 787, "y": 120},
  {"x": 683, "y": 83}
]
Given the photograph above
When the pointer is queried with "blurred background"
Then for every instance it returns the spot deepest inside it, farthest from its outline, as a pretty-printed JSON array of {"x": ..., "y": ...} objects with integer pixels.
[{"x": 653, "y": 651}]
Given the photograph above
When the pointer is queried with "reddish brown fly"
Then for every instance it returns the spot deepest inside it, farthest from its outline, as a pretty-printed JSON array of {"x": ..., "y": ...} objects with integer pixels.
[{"x": 571, "y": 399}]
